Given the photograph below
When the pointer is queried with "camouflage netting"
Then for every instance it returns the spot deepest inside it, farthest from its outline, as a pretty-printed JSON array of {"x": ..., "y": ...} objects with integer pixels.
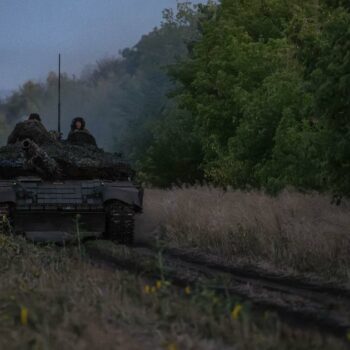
[
  {"x": 30, "y": 129},
  {"x": 48, "y": 158},
  {"x": 81, "y": 137}
]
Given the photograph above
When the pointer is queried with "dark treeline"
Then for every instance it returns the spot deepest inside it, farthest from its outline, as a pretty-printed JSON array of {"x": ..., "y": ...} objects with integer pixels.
[{"x": 249, "y": 94}]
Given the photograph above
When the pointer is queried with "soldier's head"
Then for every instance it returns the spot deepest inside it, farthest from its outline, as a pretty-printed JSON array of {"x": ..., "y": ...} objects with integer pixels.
[
  {"x": 34, "y": 116},
  {"x": 78, "y": 124}
]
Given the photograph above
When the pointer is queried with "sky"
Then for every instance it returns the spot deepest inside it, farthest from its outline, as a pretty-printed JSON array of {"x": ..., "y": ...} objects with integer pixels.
[{"x": 33, "y": 32}]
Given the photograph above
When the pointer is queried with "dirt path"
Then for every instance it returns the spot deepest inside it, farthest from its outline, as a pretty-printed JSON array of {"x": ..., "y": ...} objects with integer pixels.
[{"x": 296, "y": 301}]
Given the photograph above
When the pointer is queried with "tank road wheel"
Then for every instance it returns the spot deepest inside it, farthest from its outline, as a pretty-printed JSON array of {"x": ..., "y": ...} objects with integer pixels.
[
  {"x": 120, "y": 223},
  {"x": 5, "y": 226}
]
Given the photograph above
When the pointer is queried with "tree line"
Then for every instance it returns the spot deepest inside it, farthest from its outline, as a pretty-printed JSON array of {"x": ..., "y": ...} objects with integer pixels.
[{"x": 248, "y": 94}]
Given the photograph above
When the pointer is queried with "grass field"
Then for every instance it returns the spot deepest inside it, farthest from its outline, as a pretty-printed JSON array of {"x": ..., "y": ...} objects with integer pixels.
[
  {"x": 54, "y": 298},
  {"x": 294, "y": 232}
]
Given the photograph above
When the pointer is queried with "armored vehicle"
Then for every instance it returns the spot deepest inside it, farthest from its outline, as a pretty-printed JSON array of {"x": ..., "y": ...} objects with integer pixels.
[{"x": 56, "y": 189}]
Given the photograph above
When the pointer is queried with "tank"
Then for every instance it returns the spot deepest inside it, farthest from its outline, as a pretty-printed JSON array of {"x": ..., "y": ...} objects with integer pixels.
[{"x": 51, "y": 188}]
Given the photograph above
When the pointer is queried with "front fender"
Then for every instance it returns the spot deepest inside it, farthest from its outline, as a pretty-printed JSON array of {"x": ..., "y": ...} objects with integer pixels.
[
  {"x": 7, "y": 194},
  {"x": 129, "y": 195}
]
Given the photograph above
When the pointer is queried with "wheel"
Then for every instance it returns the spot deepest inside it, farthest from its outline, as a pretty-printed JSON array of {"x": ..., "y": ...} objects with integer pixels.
[{"x": 120, "y": 223}]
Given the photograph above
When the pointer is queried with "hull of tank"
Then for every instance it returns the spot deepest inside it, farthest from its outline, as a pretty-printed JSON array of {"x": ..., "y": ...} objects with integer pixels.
[{"x": 62, "y": 210}]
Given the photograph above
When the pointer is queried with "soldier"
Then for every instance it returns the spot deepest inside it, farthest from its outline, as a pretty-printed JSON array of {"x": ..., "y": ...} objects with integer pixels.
[
  {"x": 32, "y": 129},
  {"x": 79, "y": 135}
]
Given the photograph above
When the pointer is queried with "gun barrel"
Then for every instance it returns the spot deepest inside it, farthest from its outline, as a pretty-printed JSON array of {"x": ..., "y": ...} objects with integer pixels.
[{"x": 25, "y": 145}]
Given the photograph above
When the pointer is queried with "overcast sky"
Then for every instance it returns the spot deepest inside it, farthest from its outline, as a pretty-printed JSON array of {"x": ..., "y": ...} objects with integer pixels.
[{"x": 32, "y": 32}]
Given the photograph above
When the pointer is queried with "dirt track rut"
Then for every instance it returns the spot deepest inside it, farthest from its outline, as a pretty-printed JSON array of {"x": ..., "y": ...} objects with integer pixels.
[{"x": 322, "y": 306}]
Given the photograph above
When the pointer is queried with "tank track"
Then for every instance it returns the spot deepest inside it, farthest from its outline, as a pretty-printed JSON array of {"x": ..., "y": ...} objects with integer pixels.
[
  {"x": 5, "y": 227},
  {"x": 120, "y": 223}
]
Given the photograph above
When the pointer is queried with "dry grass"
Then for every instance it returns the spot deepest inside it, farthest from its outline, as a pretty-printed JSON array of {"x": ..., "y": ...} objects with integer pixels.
[
  {"x": 53, "y": 298},
  {"x": 302, "y": 232}
]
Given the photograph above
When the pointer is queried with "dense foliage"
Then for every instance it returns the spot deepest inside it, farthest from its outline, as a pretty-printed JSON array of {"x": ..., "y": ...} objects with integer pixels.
[
  {"x": 259, "y": 96},
  {"x": 267, "y": 89}
]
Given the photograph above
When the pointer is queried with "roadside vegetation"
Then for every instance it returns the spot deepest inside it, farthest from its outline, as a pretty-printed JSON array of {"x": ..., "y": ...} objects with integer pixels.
[
  {"x": 54, "y": 298},
  {"x": 292, "y": 233},
  {"x": 263, "y": 94}
]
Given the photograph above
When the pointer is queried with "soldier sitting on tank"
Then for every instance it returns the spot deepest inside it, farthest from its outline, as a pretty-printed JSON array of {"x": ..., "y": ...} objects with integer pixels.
[
  {"x": 79, "y": 135},
  {"x": 32, "y": 129}
]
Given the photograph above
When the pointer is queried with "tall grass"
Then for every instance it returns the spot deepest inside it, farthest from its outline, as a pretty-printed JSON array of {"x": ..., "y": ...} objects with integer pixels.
[
  {"x": 303, "y": 232},
  {"x": 50, "y": 298}
]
